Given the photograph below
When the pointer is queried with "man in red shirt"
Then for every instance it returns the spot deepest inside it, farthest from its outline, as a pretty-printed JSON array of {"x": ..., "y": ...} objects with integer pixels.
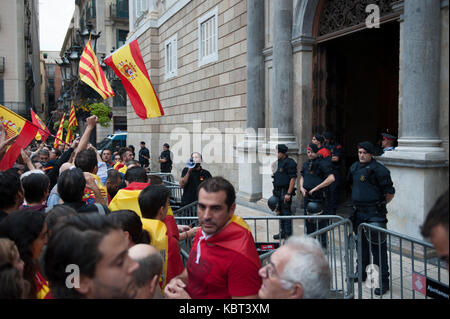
[
  {"x": 223, "y": 262},
  {"x": 319, "y": 140}
]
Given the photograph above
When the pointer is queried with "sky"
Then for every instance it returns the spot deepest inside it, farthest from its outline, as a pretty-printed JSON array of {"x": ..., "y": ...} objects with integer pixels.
[{"x": 54, "y": 19}]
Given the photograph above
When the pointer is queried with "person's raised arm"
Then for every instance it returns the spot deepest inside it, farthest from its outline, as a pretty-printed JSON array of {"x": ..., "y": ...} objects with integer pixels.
[{"x": 91, "y": 123}]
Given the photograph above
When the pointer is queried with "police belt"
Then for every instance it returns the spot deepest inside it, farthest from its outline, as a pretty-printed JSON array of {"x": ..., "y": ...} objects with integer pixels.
[{"x": 366, "y": 208}]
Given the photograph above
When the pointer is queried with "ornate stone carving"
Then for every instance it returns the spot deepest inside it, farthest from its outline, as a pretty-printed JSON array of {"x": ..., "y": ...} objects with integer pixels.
[{"x": 341, "y": 14}]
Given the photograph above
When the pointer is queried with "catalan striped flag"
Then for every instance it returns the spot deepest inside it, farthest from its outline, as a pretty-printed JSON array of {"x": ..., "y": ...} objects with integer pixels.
[
  {"x": 72, "y": 123},
  {"x": 129, "y": 66},
  {"x": 92, "y": 74},
  {"x": 59, "y": 134},
  {"x": 15, "y": 124},
  {"x": 43, "y": 132}
]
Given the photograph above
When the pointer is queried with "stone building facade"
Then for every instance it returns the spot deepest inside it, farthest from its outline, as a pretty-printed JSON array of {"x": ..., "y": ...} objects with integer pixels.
[
  {"x": 354, "y": 67},
  {"x": 20, "y": 56}
]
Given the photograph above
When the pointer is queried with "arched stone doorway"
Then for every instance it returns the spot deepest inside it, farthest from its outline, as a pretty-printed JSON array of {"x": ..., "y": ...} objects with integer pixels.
[{"x": 355, "y": 74}]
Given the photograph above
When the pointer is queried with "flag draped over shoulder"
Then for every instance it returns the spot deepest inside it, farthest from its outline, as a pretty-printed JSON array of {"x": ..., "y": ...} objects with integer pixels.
[
  {"x": 129, "y": 66},
  {"x": 127, "y": 198},
  {"x": 43, "y": 132},
  {"x": 167, "y": 245},
  {"x": 72, "y": 123},
  {"x": 15, "y": 124},
  {"x": 59, "y": 134},
  {"x": 92, "y": 74}
]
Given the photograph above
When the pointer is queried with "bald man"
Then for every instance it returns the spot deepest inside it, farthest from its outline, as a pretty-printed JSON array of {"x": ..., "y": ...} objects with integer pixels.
[
  {"x": 150, "y": 268},
  {"x": 53, "y": 198}
]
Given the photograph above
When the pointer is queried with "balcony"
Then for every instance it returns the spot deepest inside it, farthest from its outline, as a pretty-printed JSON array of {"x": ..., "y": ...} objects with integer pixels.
[{"x": 119, "y": 10}]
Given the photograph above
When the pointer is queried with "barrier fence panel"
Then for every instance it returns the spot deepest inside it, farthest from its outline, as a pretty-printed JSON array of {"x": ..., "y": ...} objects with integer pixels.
[
  {"x": 164, "y": 176},
  {"x": 176, "y": 194},
  {"x": 338, "y": 248},
  {"x": 415, "y": 271}
]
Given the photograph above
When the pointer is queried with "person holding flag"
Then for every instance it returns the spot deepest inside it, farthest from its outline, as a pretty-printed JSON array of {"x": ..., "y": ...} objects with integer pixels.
[{"x": 223, "y": 262}]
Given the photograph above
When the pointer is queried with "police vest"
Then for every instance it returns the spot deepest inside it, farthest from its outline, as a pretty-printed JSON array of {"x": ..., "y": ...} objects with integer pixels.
[
  {"x": 285, "y": 169},
  {"x": 365, "y": 187}
]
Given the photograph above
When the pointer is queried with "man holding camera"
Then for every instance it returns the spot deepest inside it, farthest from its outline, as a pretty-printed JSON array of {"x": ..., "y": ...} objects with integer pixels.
[
  {"x": 191, "y": 176},
  {"x": 317, "y": 173},
  {"x": 372, "y": 189}
]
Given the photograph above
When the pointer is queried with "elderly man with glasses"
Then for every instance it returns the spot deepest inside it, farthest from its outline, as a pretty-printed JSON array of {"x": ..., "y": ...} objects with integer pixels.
[{"x": 297, "y": 270}]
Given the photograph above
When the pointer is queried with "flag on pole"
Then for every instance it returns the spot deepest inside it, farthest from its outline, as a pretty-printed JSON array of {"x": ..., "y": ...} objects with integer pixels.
[
  {"x": 15, "y": 124},
  {"x": 59, "y": 134},
  {"x": 92, "y": 74},
  {"x": 72, "y": 123},
  {"x": 43, "y": 133},
  {"x": 129, "y": 66}
]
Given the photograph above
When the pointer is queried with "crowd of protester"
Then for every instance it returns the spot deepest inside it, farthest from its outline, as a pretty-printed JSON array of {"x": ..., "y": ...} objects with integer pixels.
[{"x": 76, "y": 223}]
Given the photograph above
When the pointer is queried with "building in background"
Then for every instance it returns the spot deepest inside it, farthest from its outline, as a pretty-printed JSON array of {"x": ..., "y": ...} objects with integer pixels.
[
  {"x": 52, "y": 83},
  {"x": 301, "y": 67},
  {"x": 20, "y": 79}
]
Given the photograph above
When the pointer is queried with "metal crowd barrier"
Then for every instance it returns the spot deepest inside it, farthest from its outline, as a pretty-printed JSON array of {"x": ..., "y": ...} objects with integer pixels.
[
  {"x": 176, "y": 194},
  {"x": 339, "y": 247},
  {"x": 414, "y": 269},
  {"x": 165, "y": 176}
]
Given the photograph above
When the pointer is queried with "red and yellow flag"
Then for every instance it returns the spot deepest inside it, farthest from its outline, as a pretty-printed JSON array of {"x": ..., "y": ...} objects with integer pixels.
[
  {"x": 43, "y": 132},
  {"x": 168, "y": 248},
  {"x": 127, "y": 198},
  {"x": 15, "y": 124},
  {"x": 92, "y": 74},
  {"x": 72, "y": 123},
  {"x": 129, "y": 66},
  {"x": 59, "y": 134}
]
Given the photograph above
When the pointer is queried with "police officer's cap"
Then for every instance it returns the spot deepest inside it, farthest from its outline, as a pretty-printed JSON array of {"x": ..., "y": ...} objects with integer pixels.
[
  {"x": 282, "y": 148},
  {"x": 387, "y": 136},
  {"x": 367, "y": 146},
  {"x": 319, "y": 138},
  {"x": 328, "y": 135},
  {"x": 312, "y": 147}
]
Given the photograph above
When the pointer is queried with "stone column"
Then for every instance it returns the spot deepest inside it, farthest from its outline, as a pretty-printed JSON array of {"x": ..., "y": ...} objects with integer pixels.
[
  {"x": 420, "y": 65},
  {"x": 250, "y": 180},
  {"x": 283, "y": 69},
  {"x": 131, "y": 14},
  {"x": 282, "y": 92},
  {"x": 419, "y": 165}
]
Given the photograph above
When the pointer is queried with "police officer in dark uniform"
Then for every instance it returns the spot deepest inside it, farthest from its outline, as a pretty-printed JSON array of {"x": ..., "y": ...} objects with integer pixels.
[
  {"x": 372, "y": 189},
  {"x": 316, "y": 175},
  {"x": 284, "y": 180},
  {"x": 166, "y": 159},
  {"x": 336, "y": 151}
]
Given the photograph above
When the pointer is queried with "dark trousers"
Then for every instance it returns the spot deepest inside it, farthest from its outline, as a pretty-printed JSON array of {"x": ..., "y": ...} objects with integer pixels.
[
  {"x": 285, "y": 210},
  {"x": 313, "y": 225},
  {"x": 333, "y": 194},
  {"x": 378, "y": 250}
]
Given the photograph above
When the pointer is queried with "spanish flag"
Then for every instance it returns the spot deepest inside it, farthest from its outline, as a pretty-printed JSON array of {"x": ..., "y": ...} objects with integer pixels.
[
  {"x": 43, "y": 132},
  {"x": 168, "y": 248},
  {"x": 92, "y": 74},
  {"x": 59, "y": 134},
  {"x": 127, "y": 198},
  {"x": 129, "y": 66},
  {"x": 15, "y": 124},
  {"x": 72, "y": 123}
]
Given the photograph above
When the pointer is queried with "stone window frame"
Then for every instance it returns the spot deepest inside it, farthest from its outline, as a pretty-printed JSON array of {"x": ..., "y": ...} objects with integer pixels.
[
  {"x": 171, "y": 65},
  {"x": 143, "y": 5},
  {"x": 213, "y": 56}
]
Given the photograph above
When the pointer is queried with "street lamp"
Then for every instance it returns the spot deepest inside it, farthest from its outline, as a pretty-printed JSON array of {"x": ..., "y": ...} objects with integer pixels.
[
  {"x": 85, "y": 36},
  {"x": 74, "y": 59}
]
